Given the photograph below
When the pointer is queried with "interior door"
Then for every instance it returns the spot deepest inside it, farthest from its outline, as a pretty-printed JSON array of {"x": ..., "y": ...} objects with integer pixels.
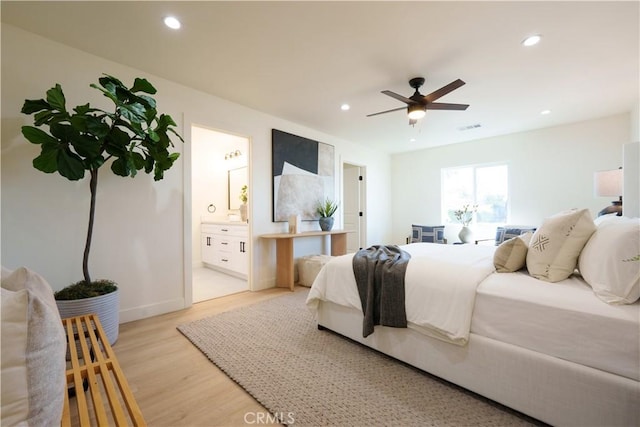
[{"x": 353, "y": 205}]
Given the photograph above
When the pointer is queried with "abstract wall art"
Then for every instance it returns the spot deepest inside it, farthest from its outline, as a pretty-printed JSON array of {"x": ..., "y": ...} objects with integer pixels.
[{"x": 302, "y": 175}]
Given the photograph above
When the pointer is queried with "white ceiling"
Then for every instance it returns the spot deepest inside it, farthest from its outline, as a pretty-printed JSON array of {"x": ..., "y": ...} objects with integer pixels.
[{"x": 301, "y": 60}]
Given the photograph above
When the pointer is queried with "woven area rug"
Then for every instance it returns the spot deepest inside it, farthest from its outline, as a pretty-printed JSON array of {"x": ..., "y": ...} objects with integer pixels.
[{"x": 309, "y": 377}]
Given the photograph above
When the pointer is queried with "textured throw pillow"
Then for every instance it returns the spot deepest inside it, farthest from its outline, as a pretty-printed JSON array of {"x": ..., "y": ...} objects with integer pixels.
[
  {"x": 510, "y": 231},
  {"x": 555, "y": 246},
  {"x": 427, "y": 234},
  {"x": 511, "y": 255},
  {"x": 610, "y": 261},
  {"x": 33, "y": 352}
]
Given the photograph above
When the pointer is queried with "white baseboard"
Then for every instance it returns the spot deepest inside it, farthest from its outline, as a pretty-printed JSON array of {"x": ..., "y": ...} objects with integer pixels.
[
  {"x": 137, "y": 313},
  {"x": 260, "y": 285}
]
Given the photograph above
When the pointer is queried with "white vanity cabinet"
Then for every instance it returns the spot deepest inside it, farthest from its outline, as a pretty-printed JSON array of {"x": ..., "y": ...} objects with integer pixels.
[{"x": 225, "y": 246}]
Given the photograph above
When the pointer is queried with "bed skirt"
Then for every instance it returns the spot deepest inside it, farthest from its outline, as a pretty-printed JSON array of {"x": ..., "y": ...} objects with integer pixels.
[{"x": 547, "y": 388}]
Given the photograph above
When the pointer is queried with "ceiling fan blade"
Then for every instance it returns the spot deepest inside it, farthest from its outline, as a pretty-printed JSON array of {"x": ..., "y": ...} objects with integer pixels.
[
  {"x": 443, "y": 90},
  {"x": 388, "y": 111},
  {"x": 399, "y": 97},
  {"x": 445, "y": 106}
]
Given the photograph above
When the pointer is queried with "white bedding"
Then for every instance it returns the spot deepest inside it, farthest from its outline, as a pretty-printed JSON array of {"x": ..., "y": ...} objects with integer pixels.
[
  {"x": 563, "y": 319},
  {"x": 451, "y": 273}
]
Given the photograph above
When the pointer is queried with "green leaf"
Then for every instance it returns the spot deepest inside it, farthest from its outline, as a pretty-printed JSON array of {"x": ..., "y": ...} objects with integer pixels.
[
  {"x": 134, "y": 112},
  {"x": 94, "y": 163},
  {"x": 47, "y": 161},
  {"x": 148, "y": 164},
  {"x": 97, "y": 127},
  {"x": 65, "y": 133},
  {"x": 31, "y": 106},
  {"x": 83, "y": 109},
  {"x": 137, "y": 160},
  {"x": 119, "y": 166},
  {"x": 86, "y": 146},
  {"x": 151, "y": 103},
  {"x": 37, "y": 136},
  {"x": 70, "y": 165},
  {"x": 55, "y": 98},
  {"x": 165, "y": 121},
  {"x": 154, "y": 136},
  {"x": 43, "y": 117},
  {"x": 116, "y": 142},
  {"x": 111, "y": 83},
  {"x": 90, "y": 124},
  {"x": 142, "y": 85}
]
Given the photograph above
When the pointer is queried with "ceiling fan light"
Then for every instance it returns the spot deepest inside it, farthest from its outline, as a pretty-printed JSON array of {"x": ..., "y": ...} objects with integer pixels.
[{"x": 416, "y": 111}]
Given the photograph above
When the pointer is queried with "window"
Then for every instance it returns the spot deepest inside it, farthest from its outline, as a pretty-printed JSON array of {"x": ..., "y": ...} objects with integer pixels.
[{"x": 485, "y": 186}]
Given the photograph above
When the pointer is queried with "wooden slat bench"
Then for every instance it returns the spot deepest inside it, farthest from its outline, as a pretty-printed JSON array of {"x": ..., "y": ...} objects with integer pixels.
[{"x": 102, "y": 394}]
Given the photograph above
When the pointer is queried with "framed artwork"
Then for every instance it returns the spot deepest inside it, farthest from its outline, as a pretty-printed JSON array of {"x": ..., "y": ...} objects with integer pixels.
[{"x": 302, "y": 175}]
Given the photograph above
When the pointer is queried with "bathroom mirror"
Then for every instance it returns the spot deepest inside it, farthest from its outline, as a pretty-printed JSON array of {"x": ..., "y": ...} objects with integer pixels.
[{"x": 237, "y": 178}]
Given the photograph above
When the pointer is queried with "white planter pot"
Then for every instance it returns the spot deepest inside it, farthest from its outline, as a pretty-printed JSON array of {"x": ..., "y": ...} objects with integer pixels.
[
  {"x": 465, "y": 235},
  {"x": 105, "y": 306}
]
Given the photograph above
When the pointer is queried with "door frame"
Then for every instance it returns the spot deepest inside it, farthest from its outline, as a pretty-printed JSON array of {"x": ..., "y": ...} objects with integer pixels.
[
  {"x": 187, "y": 209},
  {"x": 362, "y": 192}
]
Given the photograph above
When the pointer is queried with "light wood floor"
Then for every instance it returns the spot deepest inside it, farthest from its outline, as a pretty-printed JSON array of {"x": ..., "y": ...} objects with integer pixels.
[{"x": 173, "y": 382}]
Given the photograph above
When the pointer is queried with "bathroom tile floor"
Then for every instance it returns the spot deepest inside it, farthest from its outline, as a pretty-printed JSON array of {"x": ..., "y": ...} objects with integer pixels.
[{"x": 209, "y": 284}]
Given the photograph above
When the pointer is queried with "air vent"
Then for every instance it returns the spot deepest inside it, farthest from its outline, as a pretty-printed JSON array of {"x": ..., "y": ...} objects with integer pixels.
[{"x": 463, "y": 128}]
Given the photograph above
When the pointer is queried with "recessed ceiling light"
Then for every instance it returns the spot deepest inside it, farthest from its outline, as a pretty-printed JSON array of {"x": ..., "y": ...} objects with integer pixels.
[
  {"x": 412, "y": 140},
  {"x": 532, "y": 40},
  {"x": 545, "y": 112},
  {"x": 345, "y": 107},
  {"x": 172, "y": 22}
]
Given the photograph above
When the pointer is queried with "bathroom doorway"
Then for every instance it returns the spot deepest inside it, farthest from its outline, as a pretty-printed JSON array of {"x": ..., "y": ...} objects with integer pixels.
[{"x": 220, "y": 231}]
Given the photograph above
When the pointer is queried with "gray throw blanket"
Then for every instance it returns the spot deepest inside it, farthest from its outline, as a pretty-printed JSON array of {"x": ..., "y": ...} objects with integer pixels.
[{"x": 379, "y": 272}]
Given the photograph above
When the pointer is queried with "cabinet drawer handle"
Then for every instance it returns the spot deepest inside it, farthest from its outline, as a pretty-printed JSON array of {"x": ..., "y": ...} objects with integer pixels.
[{"x": 224, "y": 229}]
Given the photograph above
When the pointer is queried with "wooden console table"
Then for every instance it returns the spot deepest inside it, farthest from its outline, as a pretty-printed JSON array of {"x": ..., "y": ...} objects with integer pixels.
[{"x": 284, "y": 251}]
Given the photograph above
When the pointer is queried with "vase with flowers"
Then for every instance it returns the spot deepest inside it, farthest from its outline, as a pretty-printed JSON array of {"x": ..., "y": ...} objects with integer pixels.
[
  {"x": 243, "y": 207},
  {"x": 464, "y": 216}
]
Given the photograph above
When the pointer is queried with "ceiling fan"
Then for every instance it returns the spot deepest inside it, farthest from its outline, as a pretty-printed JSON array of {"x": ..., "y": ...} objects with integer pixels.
[{"x": 418, "y": 104}]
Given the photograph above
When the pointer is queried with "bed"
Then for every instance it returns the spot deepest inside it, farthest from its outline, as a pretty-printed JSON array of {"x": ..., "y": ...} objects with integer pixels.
[{"x": 554, "y": 351}]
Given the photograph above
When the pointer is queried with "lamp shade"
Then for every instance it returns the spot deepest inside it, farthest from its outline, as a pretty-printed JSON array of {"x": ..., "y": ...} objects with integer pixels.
[
  {"x": 608, "y": 183},
  {"x": 416, "y": 111}
]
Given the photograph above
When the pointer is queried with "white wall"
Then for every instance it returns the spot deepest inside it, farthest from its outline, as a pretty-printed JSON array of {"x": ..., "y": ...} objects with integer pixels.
[
  {"x": 550, "y": 170},
  {"x": 142, "y": 227}
]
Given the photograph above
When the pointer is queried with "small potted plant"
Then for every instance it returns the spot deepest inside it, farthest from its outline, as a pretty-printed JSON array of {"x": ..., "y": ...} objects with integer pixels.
[
  {"x": 243, "y": 207},
  {"x": 132, "y": 137},
  {"x": 326, "y": 209}
]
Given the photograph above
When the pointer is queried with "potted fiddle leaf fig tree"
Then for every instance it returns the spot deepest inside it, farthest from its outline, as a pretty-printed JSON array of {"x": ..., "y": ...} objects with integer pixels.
[{"x": 131, "y": 137}]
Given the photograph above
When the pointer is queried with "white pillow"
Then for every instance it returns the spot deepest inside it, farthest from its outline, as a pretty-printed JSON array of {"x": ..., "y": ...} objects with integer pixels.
[
  {"x": 555, "y": 246},
  {"x": 15, "y": 395},
  {"x": 511, "y": 255},
  {"x": 33, "y": 352},
  {"x": 609, "y": 261}
]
